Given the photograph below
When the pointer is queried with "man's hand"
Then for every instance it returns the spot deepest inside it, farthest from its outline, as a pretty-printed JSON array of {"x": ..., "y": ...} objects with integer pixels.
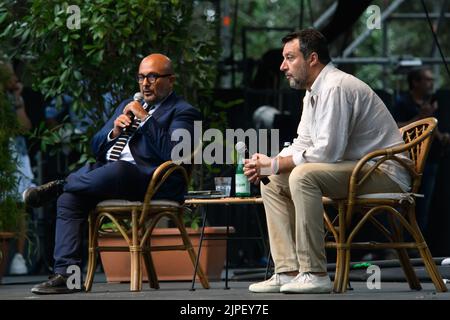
[
  {"x": 120, "y": 123},
  {"x": 257, "y": 167},
  {"x": 124, "y": 120},
  {"x": 137, "y": 109}
]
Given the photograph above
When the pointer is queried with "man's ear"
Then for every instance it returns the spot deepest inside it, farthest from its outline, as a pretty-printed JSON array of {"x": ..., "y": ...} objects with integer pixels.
[
  {"x": 172, "y": 79},
  {"x": 314, "y": 59}
]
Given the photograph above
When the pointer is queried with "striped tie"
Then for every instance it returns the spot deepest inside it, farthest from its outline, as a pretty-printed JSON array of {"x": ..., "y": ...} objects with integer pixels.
[{"x": 122, "y": 141}]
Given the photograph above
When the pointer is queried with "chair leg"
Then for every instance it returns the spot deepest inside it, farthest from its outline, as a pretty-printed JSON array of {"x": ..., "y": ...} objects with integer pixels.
[
  {"x": 136, "y": 280},
  {"x": 432, "y": 270},
  {"x": 92, "y": 256},
  {"x": 92, "y": 265},
  {"x": 345, "y": 273},
  {"x": 338, "y": 271},
  {"x": 188, "y": 245},
  {"x": 152, "y": 277},
  {"x": 135, "y": 255},
  {"x": 425, "y": 253},
  {"x": 341, "y": 251},
  {"x": 408, "y": 269}
]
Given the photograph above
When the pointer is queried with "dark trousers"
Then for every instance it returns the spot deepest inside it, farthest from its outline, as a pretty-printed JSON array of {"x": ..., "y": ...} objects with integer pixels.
[
  {"x": 84, "y": 189},
  {"x": 427, "y": 189}
]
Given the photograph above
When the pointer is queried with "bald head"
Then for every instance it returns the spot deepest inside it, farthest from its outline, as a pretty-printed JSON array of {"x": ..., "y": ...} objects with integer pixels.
[
  {"x": 161, "y": 85},
  {"x": 160, "y": 62}
]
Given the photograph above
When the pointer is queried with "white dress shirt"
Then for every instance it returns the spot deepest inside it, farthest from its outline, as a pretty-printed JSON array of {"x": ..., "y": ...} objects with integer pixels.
[
  {"x": 126, "y": 152},
  {"x": 343, "y": 119}
]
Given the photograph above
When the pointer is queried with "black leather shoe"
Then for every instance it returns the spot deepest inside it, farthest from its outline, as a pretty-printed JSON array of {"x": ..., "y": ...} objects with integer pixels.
[
  {"x": 38, "y": 196},
  {"x": 56, "y": 284}
]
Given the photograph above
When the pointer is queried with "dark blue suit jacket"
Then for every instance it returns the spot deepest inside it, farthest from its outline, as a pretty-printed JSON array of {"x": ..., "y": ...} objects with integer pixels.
[{"x": 151, "y": 144}]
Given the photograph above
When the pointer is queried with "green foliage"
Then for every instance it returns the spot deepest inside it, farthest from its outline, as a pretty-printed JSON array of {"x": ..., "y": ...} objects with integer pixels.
[
  {"x": 11, "y": 214},
  {"x": 410, "y": 37},
  {"x": 273, "y": 14},
  {"x": 103, "y": 55},
  {"x": 10, "y": 210},
  {"x": 191, "y": 218},
  {"x": 406, "y": 38}
]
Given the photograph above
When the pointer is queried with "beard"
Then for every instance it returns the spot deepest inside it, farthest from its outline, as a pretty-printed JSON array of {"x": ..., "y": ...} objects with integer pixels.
[
  {"x": 299, "y": 79},
  {"x": 298, "y": 84}
]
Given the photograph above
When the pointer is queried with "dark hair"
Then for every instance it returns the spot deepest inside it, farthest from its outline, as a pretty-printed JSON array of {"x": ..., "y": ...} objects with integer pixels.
[
  {"x": 310, "y": 41},
  {"x": 416, "y": 75}
]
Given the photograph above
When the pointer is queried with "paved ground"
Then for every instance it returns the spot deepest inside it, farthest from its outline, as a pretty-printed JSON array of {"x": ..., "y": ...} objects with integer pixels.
[{"x": 18, "y": 288}]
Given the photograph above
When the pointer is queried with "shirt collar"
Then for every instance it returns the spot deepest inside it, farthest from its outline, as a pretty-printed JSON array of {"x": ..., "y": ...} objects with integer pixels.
[
  {"x": 317, "y": 84},
  {"x": 156, "y": 106}
]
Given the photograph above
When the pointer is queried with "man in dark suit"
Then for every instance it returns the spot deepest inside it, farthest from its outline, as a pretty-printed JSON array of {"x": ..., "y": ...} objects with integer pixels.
[{"x": 128, "y": 149}]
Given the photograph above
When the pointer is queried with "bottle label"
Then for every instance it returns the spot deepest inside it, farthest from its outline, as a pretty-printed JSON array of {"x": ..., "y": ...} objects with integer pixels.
[{"x": 242, "y": 185}]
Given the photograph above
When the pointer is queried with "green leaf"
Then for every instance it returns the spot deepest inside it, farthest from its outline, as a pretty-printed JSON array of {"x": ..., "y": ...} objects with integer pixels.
[
  {"x": 98, "y": 57},
  {"x": 90, "y": 46},
  {"x": 3, "y": 17},
  {"x": 103, "y": 56}
]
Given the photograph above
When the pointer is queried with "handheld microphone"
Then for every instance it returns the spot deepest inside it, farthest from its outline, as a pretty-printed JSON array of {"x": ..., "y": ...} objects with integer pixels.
[
  {"x": 139, "y": 97},
  {"x": 241, "y": 148}
]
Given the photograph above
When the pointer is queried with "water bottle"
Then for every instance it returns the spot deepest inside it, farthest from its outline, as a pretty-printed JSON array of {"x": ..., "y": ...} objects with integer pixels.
[{"x": 242, "y": 185}]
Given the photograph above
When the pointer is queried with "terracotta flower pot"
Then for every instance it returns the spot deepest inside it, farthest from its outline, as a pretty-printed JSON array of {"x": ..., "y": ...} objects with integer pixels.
[{"x": 169, "y": 265}]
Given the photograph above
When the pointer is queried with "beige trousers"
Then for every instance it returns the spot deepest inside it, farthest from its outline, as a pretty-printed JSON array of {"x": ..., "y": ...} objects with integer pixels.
[{"x": 294, "y": 211}]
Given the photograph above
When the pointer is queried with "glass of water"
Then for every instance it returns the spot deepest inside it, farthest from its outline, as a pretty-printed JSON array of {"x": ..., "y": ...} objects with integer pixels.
[{"x": 223, "y": 185}]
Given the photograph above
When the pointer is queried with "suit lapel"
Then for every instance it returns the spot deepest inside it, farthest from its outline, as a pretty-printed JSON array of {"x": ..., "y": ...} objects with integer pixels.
[{"x": 167, "y": 104}]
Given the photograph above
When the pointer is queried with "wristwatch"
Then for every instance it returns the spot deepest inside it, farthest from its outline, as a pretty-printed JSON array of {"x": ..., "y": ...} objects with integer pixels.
[{"x": 275, "y": 165}]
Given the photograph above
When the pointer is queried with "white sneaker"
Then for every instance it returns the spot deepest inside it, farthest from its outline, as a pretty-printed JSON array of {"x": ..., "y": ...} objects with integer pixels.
[
  {"x": 306, "y": 282},
  {"x": 18, "y": 265},
  {"x": 271, "y": 285}
]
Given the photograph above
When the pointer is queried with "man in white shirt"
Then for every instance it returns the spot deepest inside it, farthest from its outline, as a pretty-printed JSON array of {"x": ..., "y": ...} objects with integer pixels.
[{"x": 342, "y": 120}]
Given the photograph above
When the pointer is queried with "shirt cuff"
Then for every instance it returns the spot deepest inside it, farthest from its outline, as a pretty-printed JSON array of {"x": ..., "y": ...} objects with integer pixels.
[
  {"x": 145, "y": 120},
  {"x": 287, "y": 151},
  {"x": 298, "y": 158},
  {"x": 108, "y": 137}
]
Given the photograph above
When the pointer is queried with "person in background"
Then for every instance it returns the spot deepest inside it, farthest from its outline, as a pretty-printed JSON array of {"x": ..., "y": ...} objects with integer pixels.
[
  {"x": 24, "y": 173},
  {"x": 418, "y": 103}
]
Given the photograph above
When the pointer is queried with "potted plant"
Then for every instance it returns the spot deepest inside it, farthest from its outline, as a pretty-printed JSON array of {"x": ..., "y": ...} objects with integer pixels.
[{"x": 169, "y": 265}]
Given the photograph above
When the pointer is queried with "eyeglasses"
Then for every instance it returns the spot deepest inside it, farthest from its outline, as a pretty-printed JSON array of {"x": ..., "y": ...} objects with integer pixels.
[{"x": 151, "y": 77}]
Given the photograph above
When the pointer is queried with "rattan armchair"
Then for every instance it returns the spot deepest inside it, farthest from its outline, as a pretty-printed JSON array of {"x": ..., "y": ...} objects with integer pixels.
[
  {"x": 135, "y": 221},
  {"x": 356, "y": 210}
]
